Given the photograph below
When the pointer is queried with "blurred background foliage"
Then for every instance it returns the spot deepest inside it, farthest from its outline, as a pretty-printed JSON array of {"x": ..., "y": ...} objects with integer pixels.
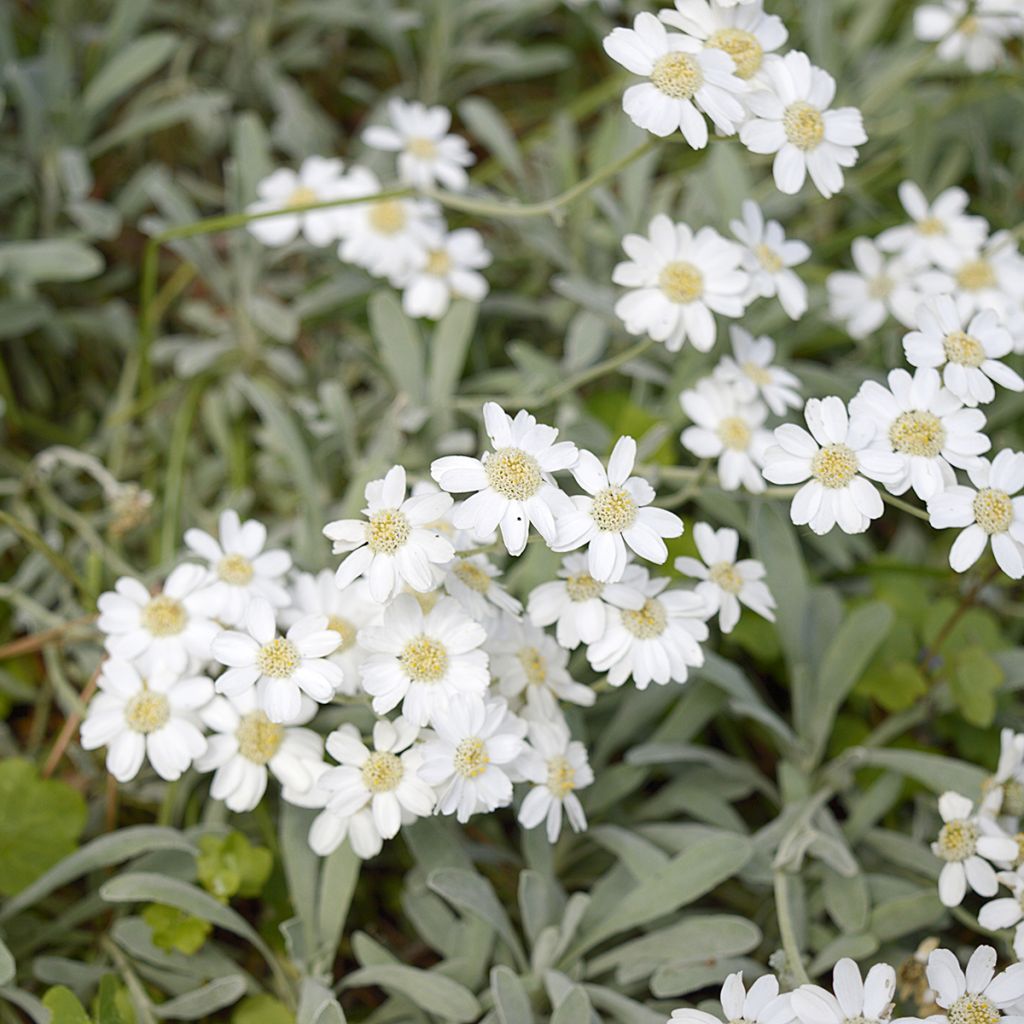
[{"x": 279, "y": 381}]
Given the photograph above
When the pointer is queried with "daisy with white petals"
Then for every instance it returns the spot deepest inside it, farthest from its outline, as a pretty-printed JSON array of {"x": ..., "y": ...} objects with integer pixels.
[
  {"x": 973, "y": 33},
  {"x": 792, "y": 119},
  {"x": 246, "y": 747},
  {"x": 152, "y": 717},
  {"x": 397, "y": 544},
  {"x": 240, "y": 566},
  {"x": 751, "y": 373},
  {"x": 685, "y": 80},
  {"x": 968, "y": 353},
  {"x": 759, "y": 1004},
  {"x": 168, "y": 630},
  {"x": 448, "y": 268},
  {"x": 423, "y": 660},
  {"x": 1007, "y": 911},
  {"x": 1003, "y": 792},
  {"x": 725, "y": 582},
  {"x": 987, "y": 279},
  {"x": 658, "y": 642},
  {"x": 513, "y": 484},
  {"x": 678, "y": 280},
  {"x": 769, "y": 257},
  {"x": 837, "y": 460},
  {"x": 615, "y": 513},
  {"x": 926, "y": 425},
  {"x": 856, "y": 1000},
  {"x": 557, "y": 765},
  {"x": 967, "y": 843},
  {"x": 469, "y": 760},
  {"x": 977, "y": 995},
  {"x": 281, "y": 668},
  {"x": 427, "y": 153},
  {"x": 473, "y": 582},
  {"x": 940, "y": 230},
  {"x": 990, "y": 512},
  {"x": 318, "y": 180}
]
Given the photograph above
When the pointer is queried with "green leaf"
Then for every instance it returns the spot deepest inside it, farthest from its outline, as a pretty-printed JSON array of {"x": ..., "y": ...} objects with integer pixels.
[
  {"x": 573, "y": 1009},
  {"x": 935, "y": 771},
  {"x": 113, "y": 1004},
  {"x": 50, "y": 259},
  {"x": 262, "y": 1009},
  {"x": 895, "y": 686},
  {"x": 428, "y": 990},
  {"x": 511, "y": 1000},
  {"x": 230, "y": 865},
  {"x": 40, "y": 821},
  {"x": 126, "y": 69},
  {"x": 400, "y": 344},
  {"x": 473, "y": 894},
  {"x": 975, "y": 680},
  {"x": 173, "y": 929},
  {"x": 7, "y": 965},
  {"x": 65, "y": 1007},
  {"x": 448, "y": 348},
  {"x": 204, "y": 1001}
]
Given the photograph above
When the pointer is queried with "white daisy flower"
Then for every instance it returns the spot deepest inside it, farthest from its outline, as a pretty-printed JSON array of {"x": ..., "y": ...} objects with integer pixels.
[
  {"x": 557, "y": 765},
  {"x": 941, "y": 230},
  {"x": 678, "y": 280},
  {"x": 729, "y": 429},
  {"x": 513, "y": 484},
  {"x": 247, "y": 746},
  {"x": 1003, "y": 792},
  {"x": 577, "y": 604},
  {"x": 471, "y": 755},
  {"x": 473, "y": 582},
  {"x": 448, "y": 268},
  {"x": 750, "y": 372},
  {"x": 792, "y": 118},
  {"x": 967, "y": 843},
  {"x": 168, "y": 630},
  {"x": 1007, "y": 911},
  {"x": 991, "y": 278},
  {"x": 531, "y": 667},
  {"x": 760, "y": 1004},
  {"x": 318, "y": 180},
  {"x": 658, "y": 642},
  {"x": 615, "y": 513},
  {"x": 152, "y": 717},
  {"x": 397, "y": 544},
  {"x": 725, "y": 582},
  {"x": 746, "y": 33},
  {"x": 423, "y": 660},
  {"x": 240, "y": 566},
  {"x": 968, "y": 352},
  {"x": 973, "y": 33},
  {"x": 856, "y": 1000},
  {"x": 427, "y": 153},
  {"x": 388, "y": 238},
  {"x": 990, "y": 512},
  {"x": 347, "y": 611},
  {"x": 926, "y": 425},
  {"x": 769, "y": 257},
  {"x": 386, "y": 781},
  {"x": 977, "y": 995},
  {"x": 865, "y": 298},
  {"x": 281, "y": 668},
  {"x": 836, "y": 459},
  {"x": 684, "y": 81}
]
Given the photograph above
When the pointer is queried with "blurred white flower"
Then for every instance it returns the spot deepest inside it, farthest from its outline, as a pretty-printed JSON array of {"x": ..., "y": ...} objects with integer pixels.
[
  {"x": 974, "y": 33},
  {"x": 1007, "y": 911},
  {"x": 685, "y": 81},
  {"x": 768, "y": 258},
  {"x": 427, "y": 153},
  {"x": 557, "y": 765},
  {"x": 792, "y": 118},
  {"x": 678, "y": 280},
  {"x": 318, "y": 180},
  {"x": 939, "y": 230},
  {"x": 1003, "y": 792},
  {"x": 989, "y": 278},
  {"x": 473, "y": 582},
  {"x": 447, "y": 268},
  {"x": 750, "y": 372}
]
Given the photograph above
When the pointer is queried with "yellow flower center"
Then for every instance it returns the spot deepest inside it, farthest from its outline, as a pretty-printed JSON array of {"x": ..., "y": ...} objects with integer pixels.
[
  {"x": 758, "y": 374},
  {"x": 957, "y": 840},
  {"x": 164, "y": 616},
  {"x": 561, "y": 777},
  {"x": 534, "y": 665},
  {"x": 976, "y": 275},
  {"x": 804, "y": 125},
  {"x": 735, "y": 433},
  {"x": 583, "y": 587},
  {"x": 1013, "y": 795},
  {"x": 970, "y": 25},
  {"x": 973, "y": 1008},
  {"x": 993, "y": 510},
  {"x": 726, "y": 576},
  {"x": 278, "y": 659},
  {"x": 513, "y": 473},
  {"x": 438, "y": 262},
  {"x": 472, "y": 576},
  {"x": 345, "y": 629},
  {"x": 235, "y": 569},
  {"x": 302, "y": 196},
  {"x": 1019, "y": 839},
  {"x": 614, "y": 510},
  {"x": 931, "y": 226},
  {"x": 147, "y": 711},
  {"x": 471, "y": 759},
  {"x": 387, "y": 531},
  {"x": 834, "y": 466},
  {"x": 647, "y": 622},
  {"x": 677, "y": 75},
  {"x": 258, "y": 737},
  {"x": 425, "y": 149},
  {"x": 918, "y": 433},
  {"x": 382, "y": 771},
  {"x": 424, "y": 659},
  {"x": 880, "y": 287},
  {"x": 387, "y": 218},
  {"x": 746, "y": 52},
  {"x": 963, "y": 349},
  {"x": 681, "y": 282},
  {"x": 769, "y": 258}
]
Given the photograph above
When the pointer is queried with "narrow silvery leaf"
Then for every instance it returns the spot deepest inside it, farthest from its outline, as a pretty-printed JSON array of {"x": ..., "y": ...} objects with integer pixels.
[
  {"x": 511, "y": 1000},
  {"x": 200, "y": 1003},
  {"x": 431, "y": 991}
]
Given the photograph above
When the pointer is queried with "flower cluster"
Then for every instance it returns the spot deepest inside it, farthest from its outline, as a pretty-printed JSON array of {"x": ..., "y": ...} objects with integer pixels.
[
  {"x": 403, "y": 237},
  {"x": 225, "y": 668},
  {"x": 710, "y": 58},
  {"x": 976, "y": 34}
]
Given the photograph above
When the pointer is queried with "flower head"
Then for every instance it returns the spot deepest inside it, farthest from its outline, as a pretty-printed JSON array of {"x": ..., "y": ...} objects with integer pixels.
[
  {"x": 317, "y": 180},
  {"x": 557, "y": 766},
  {"x": 856, "y": 1000},
  {"x": 769, "y": 257},
  {"x": 751, "y": 373},
  {"x": 938, "y": 231}
]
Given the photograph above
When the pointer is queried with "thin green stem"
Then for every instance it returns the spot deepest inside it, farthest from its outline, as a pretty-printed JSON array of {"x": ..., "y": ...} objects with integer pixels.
[
  {"x": 905, "y": 506},
  {"x": 787, "y": 931}
]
